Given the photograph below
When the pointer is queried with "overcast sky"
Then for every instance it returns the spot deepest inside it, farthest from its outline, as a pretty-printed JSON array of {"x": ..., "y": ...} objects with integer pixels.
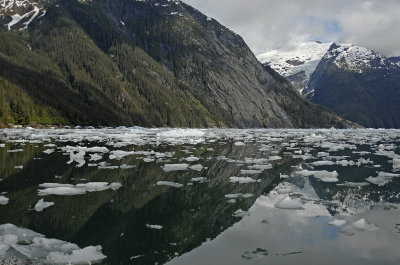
[{"x": 373, "y": 24}]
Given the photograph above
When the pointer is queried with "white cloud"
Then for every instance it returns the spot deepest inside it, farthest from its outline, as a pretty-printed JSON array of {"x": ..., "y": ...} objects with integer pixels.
[{"x": 374, "y": 24}]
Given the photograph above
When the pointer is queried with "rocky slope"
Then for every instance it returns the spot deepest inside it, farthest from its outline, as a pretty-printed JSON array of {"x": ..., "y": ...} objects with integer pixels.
[{"x": 148, "y": 63}]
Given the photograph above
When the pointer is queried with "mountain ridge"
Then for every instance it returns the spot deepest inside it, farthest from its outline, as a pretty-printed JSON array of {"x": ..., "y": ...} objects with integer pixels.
[{"x": 147, "y": 63}]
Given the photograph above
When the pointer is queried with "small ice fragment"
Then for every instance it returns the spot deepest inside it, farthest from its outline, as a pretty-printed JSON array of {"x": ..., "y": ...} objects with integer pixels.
[
  {"x": 41, "y": 204},
  {"x": 258, "y": 253},
  {"x": 192, "y": 159},
  {"x": 197, "y": 167},
  {"x": 157, "y": 227},
  {"x": 379, "y": 180},
  {"x": 239, "y": 144},
  {"x": 125, "y": 166},
  {"x": 95, "y": 157},
  {"x": 148, "y": 159},
  {"x": 2, "y": 145},
  {"x": 353, "y": 184},
  {"x": 240, "y": 213},
  {"x": 119, "y": 154},
  {"x": 169, "y": 183},
  {"x": 199, "y": 179},
  {"x": 323, "y": 163},
  {"x": 3, "y": 200},
  {"x": 337, "y": 222},
  {"x": 61, "y": 191},
  {"x": 15, "y": 150},
  {"x": 290, "y": 204},
  {"x": 174, "y": 167},
  {"x": 19, "y": 167},
  {"x": 362, "y": 225},
  {"x": 48, "y": 151},
  {"x": 241, "y": 180},
  {"x": 250, "y": 171}
]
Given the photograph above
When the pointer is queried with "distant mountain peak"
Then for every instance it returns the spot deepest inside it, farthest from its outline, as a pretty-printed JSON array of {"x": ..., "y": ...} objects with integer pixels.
[
  {"x": 357, "y": 59},
  {"x": 296, "y": 63}
]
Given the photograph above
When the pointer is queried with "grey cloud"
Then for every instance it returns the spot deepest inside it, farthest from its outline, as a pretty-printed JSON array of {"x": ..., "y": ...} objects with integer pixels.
[{"x": 374, "y": 24}]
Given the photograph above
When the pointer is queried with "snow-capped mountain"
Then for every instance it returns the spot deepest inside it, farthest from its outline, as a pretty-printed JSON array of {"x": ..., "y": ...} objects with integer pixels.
[
  {"x": 296, "y": 64},
  {"x": 352, "y": 58},
  {"x": 360, "y": 84}
]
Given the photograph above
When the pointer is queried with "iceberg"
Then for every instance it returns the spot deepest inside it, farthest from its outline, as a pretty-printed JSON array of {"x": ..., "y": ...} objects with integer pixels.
[
  {"x": 41, "y": 205},
  {"x": 44, "y": 250}
]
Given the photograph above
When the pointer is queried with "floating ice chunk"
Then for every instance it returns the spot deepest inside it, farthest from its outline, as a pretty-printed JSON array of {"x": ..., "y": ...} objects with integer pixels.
[
  {"x": 260, "y": 167},
  {"x": 240, "y": 213},
  {"x": 157, "y": 227},
  {"x": 2, "y": 145},
  {"x": 19, "y": 167},
  {"x": 125, "y": 166},
  {"x": 323, "y": 154},
  {"x": 41, "y": 204},
  {"x": 93, "y": 186},
  {"x": 78, "y": 157},
  {"x": 15, "y": 150},
  {"x": 323, "y": 175},
  {"x": 242, "y": 180},
  {"x": 44, "y": 250},
  {"x": 274, "y": 158},
  {"x": 239, "y": 195},
  {"x": 290, "y": 204},
  {"x": 95, "y": 157},
  {"x": 174, "y": 167},
  {"x": 362, "y": 225},
  {"x": 239, "y": 144},
  {"x": 353, "y": 184},
  {"x": 55, "y": 185},
  {"x": 379, "y": 180},
  {"x": 250, "y": 171},
  {"x": 337, "y": 222},
  {"x": 197, "y": 167},
  {"x": 396, "y": 164},
  {"x": 169, "y": 183},
  {"x": 48, "y": 151},
  {"x": 91, "y": 254},
  {"x": 199, "y": 179},
  {"x": 345, "y": 163},
  {"x": 61, "y": 191},
  {"x": 148, "y": 159},
  {"x": 258, "y": 253},
  {"x": 3, "y": 200},
  {"x": 323, "y": 163},
  {"x": 192, "y": 159},
  {"x": 68, "y": 189},
  {"x": 119, "y": 154}
]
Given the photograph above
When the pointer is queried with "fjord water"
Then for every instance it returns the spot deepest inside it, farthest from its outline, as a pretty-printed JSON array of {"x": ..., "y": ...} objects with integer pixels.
[{"x": 190, "y": 196}]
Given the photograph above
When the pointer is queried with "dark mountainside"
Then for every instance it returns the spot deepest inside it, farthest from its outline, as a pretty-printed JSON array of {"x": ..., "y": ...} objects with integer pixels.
[
  {"x": 147, "y": 63},
  {"x": 359, "y": 84}
]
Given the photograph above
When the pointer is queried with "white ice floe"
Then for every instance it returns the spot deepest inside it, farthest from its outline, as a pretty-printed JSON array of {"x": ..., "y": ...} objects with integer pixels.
[
  {"x": 323, "y": 163},
  {"x": 362, "y": 225},
  {"x": 197, "y": 167},
  {"x": 157, "y": 227},
  {"x": 239, "y": 195},
  {"x": 323, "y": 175},
  {"x": 353, "y": 184},
  {"x": 41, "y": 205},
  {"x": 382, "y": 179},
  {"x": 125, "y": 166},
  {"x": 199, "y": 179},
  {"x": 192, "y": 159},
  {"x": 169, "y": 183},
  {"x": 175, "y": 167},
  {"x": 95, "y": 157},
  {"x": 250, "y": 172},
  {"x": 48, "y": 151},
  {"x": 69, "y": 189},
  {"x": 241, "y": 180},
  {"x": 240, "y": 213},
  {"x": 290, "y": 204},
  {"x": 19, "y": 167},
  {"x": 44, "y": 250},
  {"x": 3, "y": 200},
  {"x": 337, "y": 222},
  {"x": 119, "y": 154}
]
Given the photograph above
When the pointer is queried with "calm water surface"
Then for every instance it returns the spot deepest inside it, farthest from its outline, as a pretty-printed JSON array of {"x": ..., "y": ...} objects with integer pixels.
[{"x": 188, "y": 196}]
